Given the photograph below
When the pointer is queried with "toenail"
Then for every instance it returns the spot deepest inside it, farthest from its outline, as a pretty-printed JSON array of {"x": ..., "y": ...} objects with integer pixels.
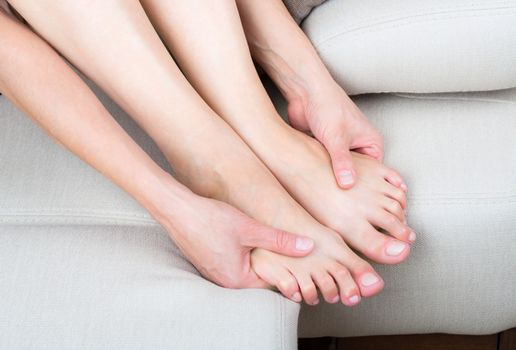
[
  {"x": 335, "y": 300},
  {"x": 296, "y": 297},
  {"x": 345, "y": 177},
  {"x": 369, "y": 279},
  {"x": 404, "y": 187},
  {"x": 395, "y": 248},
  {"x": 354, "y": 299},
  {"x": 412, "y": 236}
]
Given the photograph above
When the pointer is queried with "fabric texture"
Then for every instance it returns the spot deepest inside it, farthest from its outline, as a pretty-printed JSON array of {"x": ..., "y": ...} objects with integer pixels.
[
  {"x": 299, "y": 9},
  {"x": 457, "y": 155},
  {"x": 416, "y": 46},
  {"x": 125, "y": 287}
]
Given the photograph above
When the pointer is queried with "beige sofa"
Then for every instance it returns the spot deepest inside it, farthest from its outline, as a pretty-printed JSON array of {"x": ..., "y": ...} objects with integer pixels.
[{"x": 82, "y": 266}]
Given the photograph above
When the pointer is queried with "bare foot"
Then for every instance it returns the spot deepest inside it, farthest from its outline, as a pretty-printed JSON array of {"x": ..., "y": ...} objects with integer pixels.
[
  {"x": 359, "y": 214},
  {"x": 225, "y": 169}
]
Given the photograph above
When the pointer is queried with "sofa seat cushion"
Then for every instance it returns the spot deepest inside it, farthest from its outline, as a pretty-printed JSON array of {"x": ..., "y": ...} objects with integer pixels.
[
  {"x": 125, "y": 287},
  {"x": 417, "y": 46}
]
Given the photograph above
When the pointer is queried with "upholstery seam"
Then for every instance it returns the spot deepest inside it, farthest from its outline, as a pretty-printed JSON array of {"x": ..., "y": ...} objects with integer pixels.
[
  {"x": 456, "y": 99},
  {"x": 479, "y": 6},
  {"x": 379, "y": 25}
]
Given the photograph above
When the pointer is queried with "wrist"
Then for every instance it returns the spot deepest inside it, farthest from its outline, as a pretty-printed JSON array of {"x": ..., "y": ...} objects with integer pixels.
[{"x": 164, "y": 198}]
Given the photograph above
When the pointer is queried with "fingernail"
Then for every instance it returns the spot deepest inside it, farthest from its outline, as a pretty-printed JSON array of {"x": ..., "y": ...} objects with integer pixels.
[
  {"x": 412, "y": 236},
  {"x": 316, "y": 301},
  {"x": 395, "y": 248},
  {"x": 355, "y": 299},
  {"x": 404, "y": 187},
  {"x": 345, "y": 177},
  {"x": 369, "y": 279},
  {"x": 304, "y": 244},
  {"x": 335, "y": 300},
  {"x": 296, "y": 297}
]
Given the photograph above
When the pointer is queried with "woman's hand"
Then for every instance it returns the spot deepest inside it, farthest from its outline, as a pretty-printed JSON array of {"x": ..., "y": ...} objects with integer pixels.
[{"x": 218, "y": 239}]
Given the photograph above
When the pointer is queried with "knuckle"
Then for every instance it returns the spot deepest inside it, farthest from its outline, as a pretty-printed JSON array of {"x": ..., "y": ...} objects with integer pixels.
[
  {"x": 326, "y": 283},
  {"x": 342, "y": 273},
  {"x": 282, "y": 240},
  {"x": 287, "y": 285}
]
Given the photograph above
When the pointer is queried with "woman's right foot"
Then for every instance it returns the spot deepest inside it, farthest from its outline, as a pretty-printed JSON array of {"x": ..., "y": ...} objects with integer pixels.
[{"x": 228, "y": 171}]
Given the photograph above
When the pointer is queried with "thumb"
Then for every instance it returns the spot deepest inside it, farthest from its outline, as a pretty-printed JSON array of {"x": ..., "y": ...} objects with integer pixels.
[
  {"x": 279, "y": 241},
  {"x": 341, "y": 161}
]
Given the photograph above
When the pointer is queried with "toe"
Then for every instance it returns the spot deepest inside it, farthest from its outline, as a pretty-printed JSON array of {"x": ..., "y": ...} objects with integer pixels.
[
  {"x": 327, "y": 286},
  {"x": 396, "y": 194},
  {"x": 280, "y": 278},
  {"x": 288, "y": 286},
  {"x": 371, "y": 242},
  {"x": 367, "y": 280},
  {"x": 370, "y": 283},
  {"x": 394, "y": 178},
  {"x": 391, "y": 224},
  {"x": 394, "y": 207},
  {"x": 308, "y": 289},
  {"x": 348, "y": 290}
]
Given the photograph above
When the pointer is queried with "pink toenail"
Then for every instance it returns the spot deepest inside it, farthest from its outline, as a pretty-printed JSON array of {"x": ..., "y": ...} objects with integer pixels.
[
  {"x": 354, "y": 299},
  {"x": 335, "y": 300},
  {"x": 369, "y": 279},
  {"x": 412, "y": 236},
  {"x": 296, "y": 297},
  {"x": 395, "y": 248},
  {"x": 345, "y": 177}
]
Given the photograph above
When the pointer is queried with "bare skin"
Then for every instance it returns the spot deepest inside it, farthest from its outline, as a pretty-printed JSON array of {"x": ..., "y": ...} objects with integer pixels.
[
  {"x": 212, "y": 51},
  {"x": 316, "y": 104},
  {"x": 217, "y": 238},
  {"x": 117, "y": 50}
]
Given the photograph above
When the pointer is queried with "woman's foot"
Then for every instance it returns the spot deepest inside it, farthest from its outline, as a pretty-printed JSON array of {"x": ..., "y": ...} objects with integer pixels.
[
  {"x": 225, "y": 169},
  {"x": 370, "y": 216}
]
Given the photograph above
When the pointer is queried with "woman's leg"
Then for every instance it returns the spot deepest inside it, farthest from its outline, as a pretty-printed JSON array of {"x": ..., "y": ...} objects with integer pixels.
[
  {"x": 39, "y": 82},
  {"x": 115, "y": 44},
  {"x": 316, "y": 103},
  {"x": 209, "y": 43}
]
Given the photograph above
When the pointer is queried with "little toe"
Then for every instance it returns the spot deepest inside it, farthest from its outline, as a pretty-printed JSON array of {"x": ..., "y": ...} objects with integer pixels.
[
  {"x": 394, "y": 178},
  {"x": 280, "y": 278},
  {"x": 287, "y": 285},
  {"x": 348, "y": 290},
  {"x": 308, "y": 289},
  {"x": 327, "y": 286}
]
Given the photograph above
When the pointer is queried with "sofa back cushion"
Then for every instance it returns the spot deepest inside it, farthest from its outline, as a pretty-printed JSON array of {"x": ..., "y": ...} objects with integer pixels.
[{"x": 417, "y": 46}]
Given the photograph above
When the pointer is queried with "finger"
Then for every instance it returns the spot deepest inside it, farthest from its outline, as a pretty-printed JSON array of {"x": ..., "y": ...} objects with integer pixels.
[
  {"x": 373, "y": 151},
  {"x": 342, "y": 163},
  {"x": 278, "y": 241}
]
